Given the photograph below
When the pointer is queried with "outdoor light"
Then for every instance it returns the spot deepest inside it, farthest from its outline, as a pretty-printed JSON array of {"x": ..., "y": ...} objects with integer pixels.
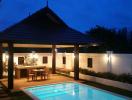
[
  {"x": 94, "y": 44},
  {"x": 109, "y": 56},
  {"x": 64, "y": 54},
  {"x": 56, "y": 50},
  {"x": 5, "y": 56},
  {"x": 73, "y": 55},
  {"x": 109, "y": 60},
  {"x": 33, "y": 58},
  {"x": 33, "y": 55}
]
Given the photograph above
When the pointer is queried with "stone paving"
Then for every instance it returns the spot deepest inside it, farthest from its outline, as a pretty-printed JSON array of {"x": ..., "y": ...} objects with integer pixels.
[
  {"x": 3, "y": 94},
  {"x": 21, "y": 83}
]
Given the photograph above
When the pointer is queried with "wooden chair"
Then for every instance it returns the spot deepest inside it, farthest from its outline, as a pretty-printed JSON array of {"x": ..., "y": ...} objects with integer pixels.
[
  {"x": 30, "y": 74},
  {"x": 46, "y": 73}
]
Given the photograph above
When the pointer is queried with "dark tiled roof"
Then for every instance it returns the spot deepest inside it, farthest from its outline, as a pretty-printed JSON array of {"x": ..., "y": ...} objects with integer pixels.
[{"x": 44, "y": 27}]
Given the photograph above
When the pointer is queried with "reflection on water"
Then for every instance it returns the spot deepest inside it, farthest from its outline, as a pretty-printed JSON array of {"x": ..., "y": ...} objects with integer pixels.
[{"x": 71, "y": 91}]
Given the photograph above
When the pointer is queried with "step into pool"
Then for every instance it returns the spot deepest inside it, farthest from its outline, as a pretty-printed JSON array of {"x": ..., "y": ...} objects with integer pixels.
[{"x": 70, "y": 91}]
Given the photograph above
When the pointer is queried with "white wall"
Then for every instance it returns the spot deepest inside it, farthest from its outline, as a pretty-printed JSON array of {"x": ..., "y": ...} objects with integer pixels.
[
  {"x": 99, "y": 62},
  {"x": 59, "y": 63},
  {"x": 40, "y": 57},
  {"x": 121, "y": 63}
]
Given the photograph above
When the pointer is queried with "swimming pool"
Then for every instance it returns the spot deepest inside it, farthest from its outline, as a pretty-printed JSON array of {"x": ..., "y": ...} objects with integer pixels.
[{"x": 70, "y": 91}]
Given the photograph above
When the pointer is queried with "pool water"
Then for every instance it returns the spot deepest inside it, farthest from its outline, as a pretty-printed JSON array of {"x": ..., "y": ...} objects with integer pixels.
[{"x": 70, "y": 91}]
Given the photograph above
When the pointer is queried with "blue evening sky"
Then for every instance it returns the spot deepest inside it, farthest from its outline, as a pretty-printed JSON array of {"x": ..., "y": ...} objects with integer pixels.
[{"x": 78, "y": 14}]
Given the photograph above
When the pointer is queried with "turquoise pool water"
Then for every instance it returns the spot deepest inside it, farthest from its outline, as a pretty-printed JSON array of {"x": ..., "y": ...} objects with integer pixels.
[{"x": 70, "y": 91}]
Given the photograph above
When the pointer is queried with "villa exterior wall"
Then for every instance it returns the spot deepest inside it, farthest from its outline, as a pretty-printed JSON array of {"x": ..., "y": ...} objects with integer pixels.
[
  {"x": 40, "y": 57},
  {"x": 99, "y": 62},
  {"x": 120, "y": 63},
  {"x": 59, "y": 62}
]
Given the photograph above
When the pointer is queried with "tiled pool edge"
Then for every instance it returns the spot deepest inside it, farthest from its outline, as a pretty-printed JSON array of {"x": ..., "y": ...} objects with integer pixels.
[
  {"x": 108, "y": 82},
  {"x": 35, "y": 98},
  {"x": 107, "y": 91},
  {"x": 29, "y": 94}
]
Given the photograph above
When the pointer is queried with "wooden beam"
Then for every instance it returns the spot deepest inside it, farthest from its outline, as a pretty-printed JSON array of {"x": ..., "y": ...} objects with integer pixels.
[
  {"x": 53, "y": 59},
  {"x": 76, "y": 62},
  {"x": 10, "y": 66},
  {"x": 1, "y": 62}
]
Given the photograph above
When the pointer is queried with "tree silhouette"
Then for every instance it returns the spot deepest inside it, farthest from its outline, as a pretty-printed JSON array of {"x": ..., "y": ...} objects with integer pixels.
[
  {"x": 112, "y": 39},
  {"x": 107, "y": 36},
  {"x": 122, "y": 39},
  {"x": 130, "y": 43}
]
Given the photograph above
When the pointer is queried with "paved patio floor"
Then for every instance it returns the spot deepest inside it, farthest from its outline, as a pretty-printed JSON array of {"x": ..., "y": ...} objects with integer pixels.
[{"x": 21, "y": 83}]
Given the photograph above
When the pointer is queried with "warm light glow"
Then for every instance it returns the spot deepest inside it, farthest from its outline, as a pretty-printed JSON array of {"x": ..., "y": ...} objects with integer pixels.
[
  {"x": 56, "y": 50},
  {"x": 64, "y": 54},
  {"x": 94, "y": 44},
  {"x": 109, "y": 55},
  {"x": 73, "y": 55},
  {"x": 33, "y": 55},
  {"x": 105, "y": 58},
  {"x": 109, "y": 59},
  {"x": 5, "y": 56}
]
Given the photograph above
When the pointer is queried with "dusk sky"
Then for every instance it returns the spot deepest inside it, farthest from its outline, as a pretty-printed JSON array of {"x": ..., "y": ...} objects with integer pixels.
[{"x": 78, "y": 14}]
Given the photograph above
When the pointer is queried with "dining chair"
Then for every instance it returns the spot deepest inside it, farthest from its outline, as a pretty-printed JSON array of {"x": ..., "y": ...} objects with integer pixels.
[
  {"x": 30, "y": 74},
  {"x": 46, "y": 73}
]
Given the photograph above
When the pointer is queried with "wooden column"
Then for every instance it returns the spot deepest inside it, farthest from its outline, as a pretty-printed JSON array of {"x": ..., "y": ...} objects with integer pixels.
[
  {"x": 10, "y": 66},
  {"x": 53, "y": 59},
  {"x": 76, "y": 62},
  {"x": 1, "y": 62}
]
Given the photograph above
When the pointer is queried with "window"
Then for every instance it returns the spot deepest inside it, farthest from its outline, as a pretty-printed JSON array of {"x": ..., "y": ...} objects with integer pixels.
[
  {"x": 20, "y": 60},
  {"x": 64, "y": 60},
  {"x": 45, "y": 60},
  {"x": 90, "y": 62}
]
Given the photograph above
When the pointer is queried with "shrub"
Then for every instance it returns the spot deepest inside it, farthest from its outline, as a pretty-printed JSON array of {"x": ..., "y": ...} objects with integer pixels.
[{"x": 126, "y": 78}]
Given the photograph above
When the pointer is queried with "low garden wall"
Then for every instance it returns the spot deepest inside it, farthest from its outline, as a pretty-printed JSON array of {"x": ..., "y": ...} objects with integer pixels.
[{"x": 108, "y": 82}]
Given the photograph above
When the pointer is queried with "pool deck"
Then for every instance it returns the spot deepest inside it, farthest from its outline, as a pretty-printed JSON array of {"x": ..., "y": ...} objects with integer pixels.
[{"x": 22, "y": 83}]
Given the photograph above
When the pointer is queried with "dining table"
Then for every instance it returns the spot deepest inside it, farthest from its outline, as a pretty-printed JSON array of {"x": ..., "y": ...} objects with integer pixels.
[
  {"x": 38, "y": 72},
  {"x": 21, "y": 71}
]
